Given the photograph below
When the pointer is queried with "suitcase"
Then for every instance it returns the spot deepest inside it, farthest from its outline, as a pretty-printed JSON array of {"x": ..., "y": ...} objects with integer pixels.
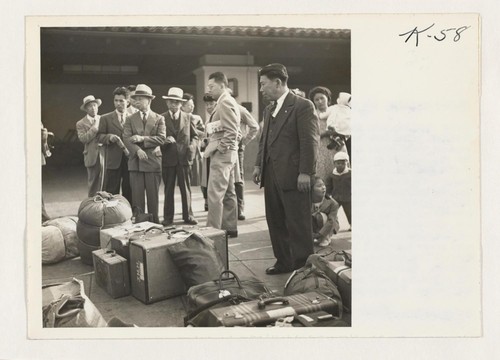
[
  {"x": 111, "y": 273},
  {"x": 318, "y": 319},
  {"x": 266, "y": 311},
  {"x": 219, "y": 237},
  {"x": 342, "y": 277},
  {"x": 121, "y": 243},
  {"x": 153, "y": 274},
  {"x": 106, "y": 235}
]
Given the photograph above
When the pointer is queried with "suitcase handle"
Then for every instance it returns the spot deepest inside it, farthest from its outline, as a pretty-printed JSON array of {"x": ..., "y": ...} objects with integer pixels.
[
  {"x": 235, "y": 277},
  {"x": 262, "y": 303},
  {"x": 112, "y": 252}
]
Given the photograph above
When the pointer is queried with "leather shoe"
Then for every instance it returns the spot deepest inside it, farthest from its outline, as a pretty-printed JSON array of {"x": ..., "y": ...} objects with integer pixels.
[
  {"x": 273, "y": 270},
  {"x": 191, "y": 221},
  {"x": 241, "y": 216},
  {"x": 232, "y": 233},
  {"x": 167, "y": 223}
]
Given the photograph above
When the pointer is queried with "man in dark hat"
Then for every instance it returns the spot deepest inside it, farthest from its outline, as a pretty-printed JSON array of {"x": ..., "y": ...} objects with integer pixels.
[
  {"x": 143, "y": 134},
  {"x": 86, "y": 129},
  {"x": 285, "y": 163},
  {"x": 178, "y": 153}
]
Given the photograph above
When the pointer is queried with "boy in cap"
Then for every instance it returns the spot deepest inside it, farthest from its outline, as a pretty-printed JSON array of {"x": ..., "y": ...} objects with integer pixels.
[
  {"x": 325, "y": 222},
  {"x": 143, "y": 134},
  {"x": 87, "y": 129},
  {"x": 338, "y": 183},
  {"x": 178, "y": 153}
]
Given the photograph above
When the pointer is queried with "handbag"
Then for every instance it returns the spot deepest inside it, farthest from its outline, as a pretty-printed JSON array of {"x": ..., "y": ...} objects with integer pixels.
[{"x": 248, "y": 288}]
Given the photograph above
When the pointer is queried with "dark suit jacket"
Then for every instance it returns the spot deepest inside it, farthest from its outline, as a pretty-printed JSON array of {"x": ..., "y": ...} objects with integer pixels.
[
  {"x": 110, "y": 125},
  {"x": 293, "y": 141},
  {"x": 154, "y": 136},
  {"x": 184, "y": 150}
]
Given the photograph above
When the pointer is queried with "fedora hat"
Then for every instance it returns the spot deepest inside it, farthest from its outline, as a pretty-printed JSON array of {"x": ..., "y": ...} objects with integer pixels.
[
  {"x": 175, "y": 93},
  {"x": 89, "y": 99},
  {"x": 143, "y": 90}
]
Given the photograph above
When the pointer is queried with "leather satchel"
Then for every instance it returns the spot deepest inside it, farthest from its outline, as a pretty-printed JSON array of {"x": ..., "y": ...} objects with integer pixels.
[{"x": 248, "y": 288}]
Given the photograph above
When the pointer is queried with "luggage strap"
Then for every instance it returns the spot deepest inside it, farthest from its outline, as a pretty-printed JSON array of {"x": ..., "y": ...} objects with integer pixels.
[{"x": 235, "y": 298}]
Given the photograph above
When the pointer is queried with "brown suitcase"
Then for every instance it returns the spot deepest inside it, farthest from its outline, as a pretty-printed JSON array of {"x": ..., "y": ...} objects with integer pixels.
[
  {"x": 111, "y": 272},
  {"x": 154, "y": 276},
  {"x": 121, "y": 243},
  {"x": 123, "y": 231}
]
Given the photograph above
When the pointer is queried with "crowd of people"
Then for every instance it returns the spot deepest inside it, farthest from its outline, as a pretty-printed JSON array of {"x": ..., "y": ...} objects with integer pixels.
[{"x": 303, "y": 161}]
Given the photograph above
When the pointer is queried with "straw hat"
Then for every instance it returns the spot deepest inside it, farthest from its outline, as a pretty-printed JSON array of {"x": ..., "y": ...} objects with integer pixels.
[
  {"x": 89, "y": 99},
  {"x": 175, "y": 93},
  {"x": 143, "y": 90}
]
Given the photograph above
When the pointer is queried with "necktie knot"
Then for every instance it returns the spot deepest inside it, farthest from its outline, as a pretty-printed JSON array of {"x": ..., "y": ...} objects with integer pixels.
[
  {"x": 143, "y": 117},
  {"x": 273, "y": 108}
]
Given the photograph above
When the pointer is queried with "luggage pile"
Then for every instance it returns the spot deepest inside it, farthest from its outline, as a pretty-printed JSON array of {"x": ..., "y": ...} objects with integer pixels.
[
  {"x": 59, "y": 239},
  {"x": 99, "y": 212}
]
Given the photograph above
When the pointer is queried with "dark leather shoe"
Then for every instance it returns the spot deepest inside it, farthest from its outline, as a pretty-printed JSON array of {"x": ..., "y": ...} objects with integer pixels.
[
  {"x": 273, "y": 270},
  {"x": 232, "y": 233},
  {"x": 241, "y": 216},
  {"x": 167, "y": 223},
  {"x": 191, "y": 221}
]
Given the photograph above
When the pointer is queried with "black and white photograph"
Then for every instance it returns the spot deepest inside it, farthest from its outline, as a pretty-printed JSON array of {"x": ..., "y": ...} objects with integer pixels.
[
  {"x": 196, "y": 176},
  {"x": 195, "y": 192}
]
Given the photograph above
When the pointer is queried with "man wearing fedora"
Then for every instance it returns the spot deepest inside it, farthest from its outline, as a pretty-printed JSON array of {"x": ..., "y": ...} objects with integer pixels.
[
  {"x": 285, "y": 163},
  {"x": 143, "y": 134},
  {"x": 178, "y": 153},
  {"x": 116, "y": 174},
  {"x": 222, "y": 131},
  {"x": 87, "y": 129}
]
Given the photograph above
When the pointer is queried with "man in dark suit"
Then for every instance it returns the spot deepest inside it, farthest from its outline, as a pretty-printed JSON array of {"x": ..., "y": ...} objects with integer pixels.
[
  {"x": 86, "y": 129},
  {"x": 285, "y": 163},
  {"x": 111, "y": 134},
  {"x": 143, "y": 134},
  {"x": 178, "y": 153}
]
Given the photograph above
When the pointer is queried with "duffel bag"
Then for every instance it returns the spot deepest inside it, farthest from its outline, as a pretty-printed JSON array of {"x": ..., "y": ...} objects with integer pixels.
[
  {"x": 86, "y": 252},
  {"x": 66, "y": 305},
  {"x": 197, "y": 259},
  {"x": 53, "y": 249},
  {"x": 104, "y": 209},
  {"x": 248, "y": 287},
  {"x": 310, "y": 278},
  {"x": 67, "y": 226}
]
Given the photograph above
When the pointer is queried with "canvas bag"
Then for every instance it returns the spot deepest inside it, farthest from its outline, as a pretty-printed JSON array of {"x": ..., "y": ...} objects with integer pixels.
[{"x": 197, "y": 259}]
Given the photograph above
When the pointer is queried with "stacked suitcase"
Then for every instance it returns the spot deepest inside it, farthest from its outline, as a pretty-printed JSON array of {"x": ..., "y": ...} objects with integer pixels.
[{"x": 143, "y": 248}]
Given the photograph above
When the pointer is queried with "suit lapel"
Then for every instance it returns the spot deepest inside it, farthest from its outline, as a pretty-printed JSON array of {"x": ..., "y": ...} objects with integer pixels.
[
  {"x": 169, "y": 123},
  {"x": 116, "y": 121},
  {"x": 282, "y": 116},
  {"x": 182, "y": 120},
  {"x": 150, "y": 123},
  {"x": 136, "y": 121}
]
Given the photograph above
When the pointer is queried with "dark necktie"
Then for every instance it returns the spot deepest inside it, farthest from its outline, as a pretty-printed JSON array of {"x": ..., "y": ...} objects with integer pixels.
[
  {"x": 122, "y": 119},
  {"x": 272, "y": 109},
  {"x": 144, "y": 118}
]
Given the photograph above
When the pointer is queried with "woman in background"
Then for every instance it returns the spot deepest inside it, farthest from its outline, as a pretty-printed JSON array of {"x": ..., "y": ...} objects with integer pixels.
[{"x": 322, "y": 97}]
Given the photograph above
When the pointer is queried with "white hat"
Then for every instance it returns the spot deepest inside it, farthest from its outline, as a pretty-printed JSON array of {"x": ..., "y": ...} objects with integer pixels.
[
  {"x": 143, "y": 90},
  {"x": 175, "y": 93},
  {"x": 89, "y": 99},
  {"x": 341, "y": 156}
]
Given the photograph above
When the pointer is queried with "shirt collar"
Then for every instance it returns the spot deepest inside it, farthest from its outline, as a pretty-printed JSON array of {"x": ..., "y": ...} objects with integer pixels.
[
  {"x": 220, "y": 97},
  {"x": 279, "y": 102},
  {"x": 91, "y": 119},
  {"x": 175, "y": 115},
  {"x": 346, "y": 170},
  {"x": 120, "y": 114},
  {"x": 147, "y": 113}
]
